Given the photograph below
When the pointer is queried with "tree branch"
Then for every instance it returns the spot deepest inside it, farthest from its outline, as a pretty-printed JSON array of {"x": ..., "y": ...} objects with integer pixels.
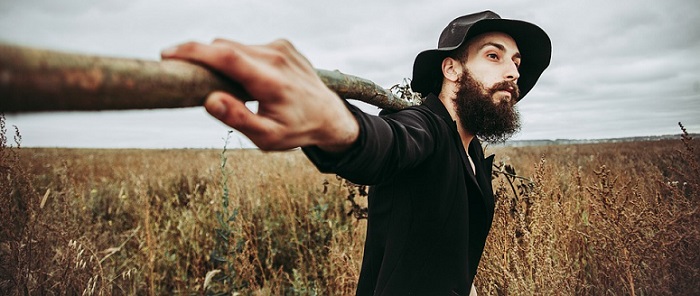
[{"x": 43, "y": 80}]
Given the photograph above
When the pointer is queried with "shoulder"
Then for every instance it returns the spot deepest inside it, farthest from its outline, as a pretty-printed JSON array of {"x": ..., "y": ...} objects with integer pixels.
[{"x": 419, "y": 113}]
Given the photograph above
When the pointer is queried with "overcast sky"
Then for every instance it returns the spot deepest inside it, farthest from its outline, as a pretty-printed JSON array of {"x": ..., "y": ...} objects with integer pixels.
[{"x": 619, "y": 68}]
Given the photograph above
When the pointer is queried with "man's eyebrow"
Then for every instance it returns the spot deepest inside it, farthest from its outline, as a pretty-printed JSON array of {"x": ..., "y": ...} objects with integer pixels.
[{"x": 499, "y": 46}]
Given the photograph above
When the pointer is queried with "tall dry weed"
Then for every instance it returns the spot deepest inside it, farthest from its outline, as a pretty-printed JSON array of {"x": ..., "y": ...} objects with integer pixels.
[
  {"x": 597, "y": 219},
  {"x": 585, "y": 220},
  {"x": 41, "y": 251}
]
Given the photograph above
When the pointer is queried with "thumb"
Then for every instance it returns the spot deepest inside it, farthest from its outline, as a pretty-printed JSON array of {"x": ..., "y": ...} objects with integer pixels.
[
  {"x": 216, "y": 106},
  {"x": 234, "y": 113}
]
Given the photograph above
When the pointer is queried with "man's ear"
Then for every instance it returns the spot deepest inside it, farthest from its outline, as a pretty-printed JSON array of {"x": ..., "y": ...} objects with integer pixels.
[{"x": 451, "y": 69}]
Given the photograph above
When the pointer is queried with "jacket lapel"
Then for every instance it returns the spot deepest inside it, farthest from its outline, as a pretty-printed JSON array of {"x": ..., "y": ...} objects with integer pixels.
[
  {"x": 485, "y": 183},
  {"x": 482, "y": 180},
  {"x": 438, "y": 108},
  {"x": 467, "y": 165}
]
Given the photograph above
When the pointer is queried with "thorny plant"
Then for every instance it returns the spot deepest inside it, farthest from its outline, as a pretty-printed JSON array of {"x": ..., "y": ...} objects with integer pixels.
[
  {"x": 689, "y": 153},
  {"x": 223, "y": 255},
  {"x": 353, "y": 190},
  {"x": 520, "y": 186},
  {"x": 13, "y": 273},
  {"x": 32, "y": 236},
  {"x": 403, "y": 90}
]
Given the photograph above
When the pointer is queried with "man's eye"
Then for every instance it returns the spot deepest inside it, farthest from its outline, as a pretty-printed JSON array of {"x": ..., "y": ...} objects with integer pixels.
[{"x": 492, "y": 56}]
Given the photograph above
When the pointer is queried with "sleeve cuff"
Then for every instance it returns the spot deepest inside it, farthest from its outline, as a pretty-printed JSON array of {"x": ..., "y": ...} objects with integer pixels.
[{"x": 332, "y": 162}]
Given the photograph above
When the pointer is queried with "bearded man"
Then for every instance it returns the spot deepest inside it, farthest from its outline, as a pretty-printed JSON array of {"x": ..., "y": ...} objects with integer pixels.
[{"x": 430, "y": 202}]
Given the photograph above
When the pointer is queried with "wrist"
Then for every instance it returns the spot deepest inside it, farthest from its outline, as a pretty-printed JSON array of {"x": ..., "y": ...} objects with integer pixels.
[{"x": 341, "y": 133}]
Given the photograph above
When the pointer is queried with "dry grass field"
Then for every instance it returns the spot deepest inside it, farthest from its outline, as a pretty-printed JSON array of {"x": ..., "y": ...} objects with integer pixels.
[{"x": 599, "y": 219}]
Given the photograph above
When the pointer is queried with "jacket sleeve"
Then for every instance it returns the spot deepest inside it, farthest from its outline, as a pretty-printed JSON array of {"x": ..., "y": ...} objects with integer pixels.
[{"x": 386, "y": 145}]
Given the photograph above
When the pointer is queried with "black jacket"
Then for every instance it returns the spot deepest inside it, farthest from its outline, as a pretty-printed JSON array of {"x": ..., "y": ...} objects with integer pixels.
[{"x": 429, "y": 214}]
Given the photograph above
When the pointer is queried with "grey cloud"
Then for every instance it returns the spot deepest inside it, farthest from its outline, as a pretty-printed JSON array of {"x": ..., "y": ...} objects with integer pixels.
[
  {"x": 618, "y": 68},
  {"x": 71, "y": 8}
]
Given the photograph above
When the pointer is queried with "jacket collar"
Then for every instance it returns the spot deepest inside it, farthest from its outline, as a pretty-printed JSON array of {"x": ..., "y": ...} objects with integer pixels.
[{"x": 434, "y": 104}]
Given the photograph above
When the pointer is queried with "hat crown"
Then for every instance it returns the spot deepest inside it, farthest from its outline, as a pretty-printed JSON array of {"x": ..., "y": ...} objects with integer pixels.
[
  {"x": 532, "y": 41},
  {"x": 453, "y": 35}
]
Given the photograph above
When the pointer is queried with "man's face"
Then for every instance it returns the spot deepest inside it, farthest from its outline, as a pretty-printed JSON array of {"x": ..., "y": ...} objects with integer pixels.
[
  {"x": 493, "y": 58},
  {"x": 487, "y": 89}
]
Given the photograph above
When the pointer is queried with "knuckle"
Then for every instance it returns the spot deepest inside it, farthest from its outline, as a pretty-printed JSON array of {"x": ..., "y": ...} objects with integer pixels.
[
  {"x": 228, "y": 57},
  {"x": 284, "y": 53},
  {"x": 237, "y": 119},
  {"x": 282, "y": 44},
  {"x": 189, "y": 47},
  {"x": 278, "y": 59},
  {"x": 226, "y": 43},
  {"x": 219, "y": 40}
]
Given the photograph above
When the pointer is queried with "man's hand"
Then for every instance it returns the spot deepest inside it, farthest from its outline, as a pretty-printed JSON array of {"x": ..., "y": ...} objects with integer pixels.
[{"x": 295, "y": 107}]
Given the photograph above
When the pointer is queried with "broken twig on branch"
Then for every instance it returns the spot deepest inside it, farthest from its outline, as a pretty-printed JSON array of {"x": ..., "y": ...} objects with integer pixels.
[{"x": 44, "y": 80}]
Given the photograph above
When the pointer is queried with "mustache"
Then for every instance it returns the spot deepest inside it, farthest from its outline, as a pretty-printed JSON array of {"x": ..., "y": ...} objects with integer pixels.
[{"x": 508, "y": 86}]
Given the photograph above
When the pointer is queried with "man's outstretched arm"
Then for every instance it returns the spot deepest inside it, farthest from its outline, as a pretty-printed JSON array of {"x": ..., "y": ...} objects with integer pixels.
[{"x": 295, "y": 108}]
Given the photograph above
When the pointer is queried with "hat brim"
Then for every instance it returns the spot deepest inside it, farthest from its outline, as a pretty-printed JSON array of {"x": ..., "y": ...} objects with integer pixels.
[{"x": 533, "y": 43}]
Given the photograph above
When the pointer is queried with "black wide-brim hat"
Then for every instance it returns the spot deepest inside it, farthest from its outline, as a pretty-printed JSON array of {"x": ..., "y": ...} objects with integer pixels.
[{"x": 534, "y": 45}]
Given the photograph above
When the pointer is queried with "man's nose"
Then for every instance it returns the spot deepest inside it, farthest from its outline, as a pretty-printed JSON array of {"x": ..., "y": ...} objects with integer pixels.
[{"x": 511, "y": 72}]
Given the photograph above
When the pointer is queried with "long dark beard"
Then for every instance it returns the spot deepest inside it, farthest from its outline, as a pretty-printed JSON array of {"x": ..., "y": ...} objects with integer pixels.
[{"x": 490, "y": 121}]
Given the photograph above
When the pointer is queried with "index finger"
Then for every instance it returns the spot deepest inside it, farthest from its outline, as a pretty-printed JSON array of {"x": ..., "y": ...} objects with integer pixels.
[{"x": 229, "y": 59}]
